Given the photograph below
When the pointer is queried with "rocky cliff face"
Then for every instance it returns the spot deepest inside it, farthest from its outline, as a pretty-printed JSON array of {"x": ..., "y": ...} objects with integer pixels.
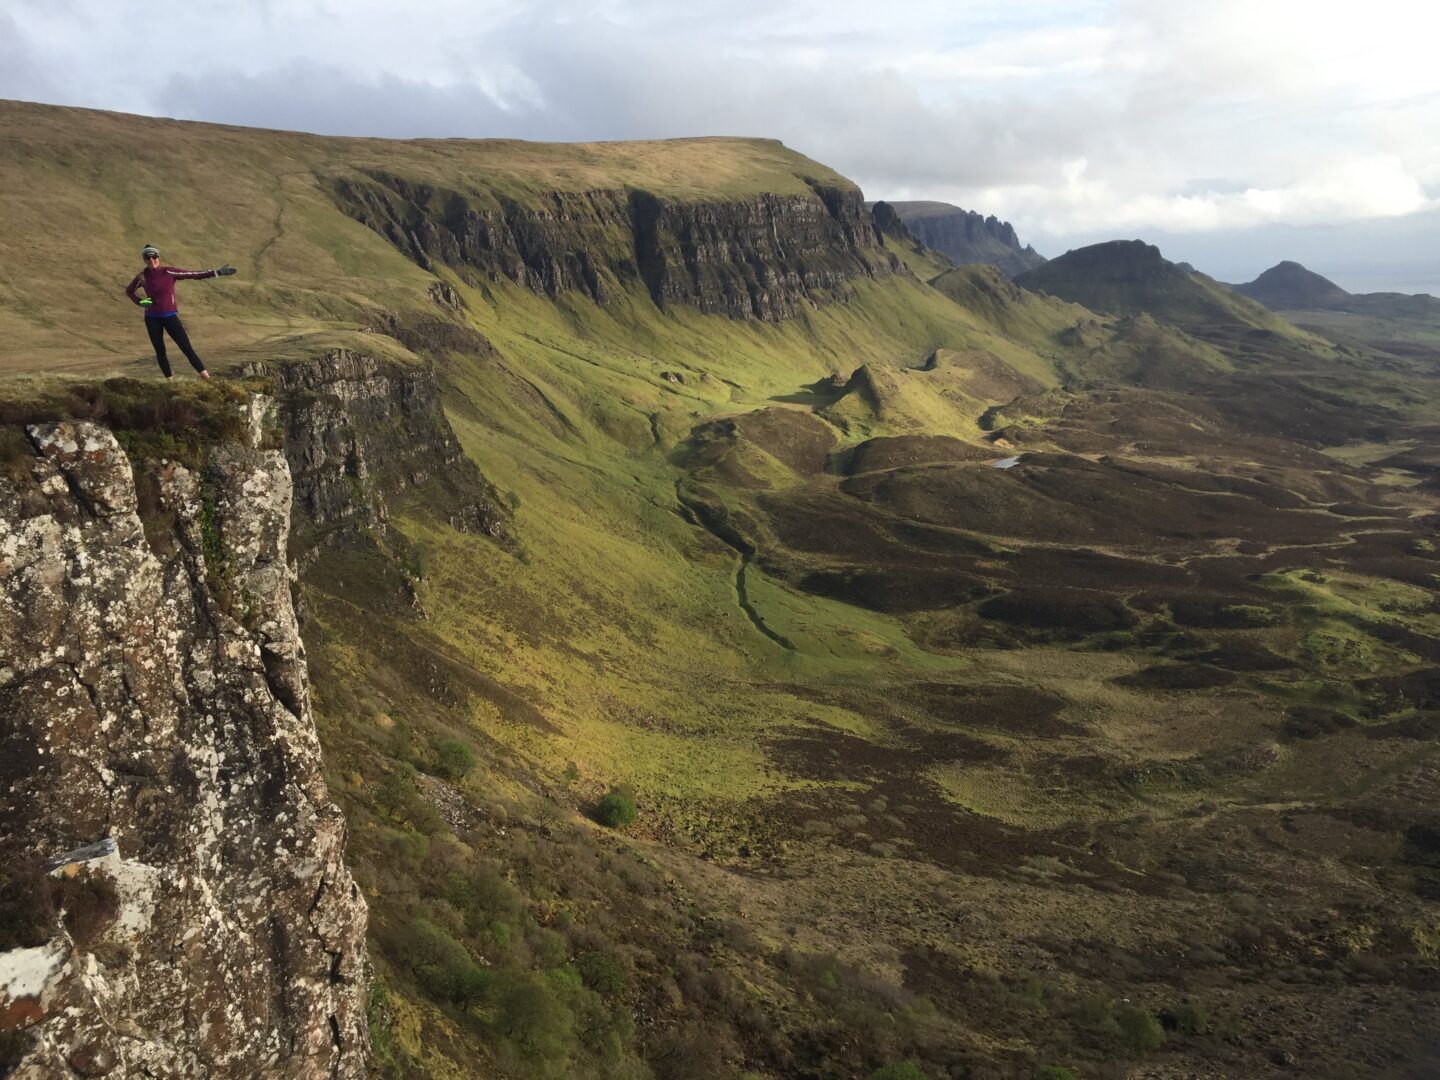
[
  {"x": 966, "y": 236},
  {"x": 154, "y": 704},
  {"x": 761, "y": 257},
  {"x": 358, "y": 431}
]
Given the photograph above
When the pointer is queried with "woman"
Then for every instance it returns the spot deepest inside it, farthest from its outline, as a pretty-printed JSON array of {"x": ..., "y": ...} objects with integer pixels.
[{"x": 162, "y": 313}]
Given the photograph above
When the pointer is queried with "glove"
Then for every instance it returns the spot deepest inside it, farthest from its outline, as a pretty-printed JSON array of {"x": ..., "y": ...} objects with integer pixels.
[
  {"x": 226, "y": 270},
  {"x": 146, "y": 302}
]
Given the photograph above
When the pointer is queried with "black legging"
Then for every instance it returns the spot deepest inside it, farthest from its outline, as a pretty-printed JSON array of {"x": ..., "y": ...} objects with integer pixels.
[{"x": 157, "y": 328}]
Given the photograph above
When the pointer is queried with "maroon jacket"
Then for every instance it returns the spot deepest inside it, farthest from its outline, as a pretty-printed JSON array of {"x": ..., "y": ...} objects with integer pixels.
[{"x": 159, "y": 282}]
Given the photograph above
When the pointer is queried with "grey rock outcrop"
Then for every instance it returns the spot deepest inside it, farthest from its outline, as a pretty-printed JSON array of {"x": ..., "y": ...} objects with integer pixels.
[
  {"x": 765, "y": 257},
  {"x": 889, "y": 222},
  {"x": 358, "y": 431},
  {"x": 761, "y": 257},
  {"x": 153, "y": 693},
  {"x": 966, "y": 236}
]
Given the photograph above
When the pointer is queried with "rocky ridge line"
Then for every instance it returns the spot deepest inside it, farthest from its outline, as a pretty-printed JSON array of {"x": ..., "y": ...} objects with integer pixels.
[
  {"x": 763, "y": 257},
  {"x": 965, "y": 235}
]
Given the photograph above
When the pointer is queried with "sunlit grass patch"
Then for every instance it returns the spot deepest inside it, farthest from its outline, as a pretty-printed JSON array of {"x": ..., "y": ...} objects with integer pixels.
[
  {"x": 1359, "y": 598},
  {"x": 1011, "y": 795},
  {"x": 1367, "y": 453},
  {"x": 837, "y": 639}
]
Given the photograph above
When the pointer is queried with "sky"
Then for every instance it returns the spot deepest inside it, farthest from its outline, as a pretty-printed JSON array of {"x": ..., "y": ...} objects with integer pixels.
[{"x": 1233, "y": 133}]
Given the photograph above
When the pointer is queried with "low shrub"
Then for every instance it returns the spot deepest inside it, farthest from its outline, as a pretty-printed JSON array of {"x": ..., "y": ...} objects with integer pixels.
[
  {"x": 530, "y": 1016},
  {"x": 548, "y": 948},
  {"x": 1070, "y": 610},
  {"x": 400, "y": 798},
  {"x": 1245, "y": 656},
  {"x": 1187, "y": 1018},
  {"x": 1178, "y": 677},
  {"x": 501, "y": 934},
  {"x": 602, "y": 972},
  {"x": 1368, "y": 967},
  {"x": 396, "y": 789},
  {"x": 443, "y": 967},
  {"x": 616, "y": 810},
  {"x": 1222, "y": 615},
  {"x": 1422, "y": 727},
  {"x": 1096, "y": 1012},
  {"x": 1139, "y": 1030},
  {"x": 899, "y": 1070},
  {"x": 454, "y": 760}
]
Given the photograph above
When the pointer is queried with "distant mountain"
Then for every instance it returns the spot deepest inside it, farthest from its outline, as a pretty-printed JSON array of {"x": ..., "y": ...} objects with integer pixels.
[
  {"x": 1128, "y": 277},
  {"x": 1087, "y": 350},
  {"x": 1288, "y": 286},
  {"x": 966, "y": 236},
  {"x": 1131, "y": 278}
]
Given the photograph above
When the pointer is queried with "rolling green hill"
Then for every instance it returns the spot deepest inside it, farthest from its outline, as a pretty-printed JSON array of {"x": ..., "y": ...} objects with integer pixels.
[
  {"x": 1118, "y": 757},
  {"x": 1131, "y": 277},
  {"x": 1393, "y": 324},
  {"x": 1288, "y": 286}
]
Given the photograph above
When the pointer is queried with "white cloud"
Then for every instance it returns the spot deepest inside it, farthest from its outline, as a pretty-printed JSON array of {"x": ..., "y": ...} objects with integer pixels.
[
  {"x": 1046, "y": 55},
  {"x": 1185, "y": 117},
  {"x": 23, "y": 71},
  {"x": 1346, "y": 190}
]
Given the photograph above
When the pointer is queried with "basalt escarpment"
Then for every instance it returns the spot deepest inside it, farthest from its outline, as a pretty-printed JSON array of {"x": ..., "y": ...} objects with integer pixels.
[
  {"x": 358, "y": 431},
  {"x": 176, "y": 902},
  {"x": 965, "y": 236},
  {"x": 762, "y": 256}
]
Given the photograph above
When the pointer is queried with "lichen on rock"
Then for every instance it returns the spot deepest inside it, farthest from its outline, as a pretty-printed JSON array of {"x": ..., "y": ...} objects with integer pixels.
[{"x": 157, "y": 697}]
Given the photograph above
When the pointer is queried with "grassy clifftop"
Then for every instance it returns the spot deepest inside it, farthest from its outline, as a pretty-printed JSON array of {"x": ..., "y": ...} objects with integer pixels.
[{"x": 86, "y": 189}]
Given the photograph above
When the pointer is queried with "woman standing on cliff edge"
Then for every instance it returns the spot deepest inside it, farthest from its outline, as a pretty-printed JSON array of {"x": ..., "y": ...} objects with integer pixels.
[{"x": 162, "y": 312}]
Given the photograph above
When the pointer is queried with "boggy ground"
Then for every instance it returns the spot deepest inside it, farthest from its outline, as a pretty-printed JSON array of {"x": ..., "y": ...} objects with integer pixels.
[
  {"x": 1190, "y": 759},
  {"x": 1147, "y": 795}
]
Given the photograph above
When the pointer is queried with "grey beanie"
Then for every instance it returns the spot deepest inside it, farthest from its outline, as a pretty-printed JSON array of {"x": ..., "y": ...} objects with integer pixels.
[{"x": 148, "y": 250}]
